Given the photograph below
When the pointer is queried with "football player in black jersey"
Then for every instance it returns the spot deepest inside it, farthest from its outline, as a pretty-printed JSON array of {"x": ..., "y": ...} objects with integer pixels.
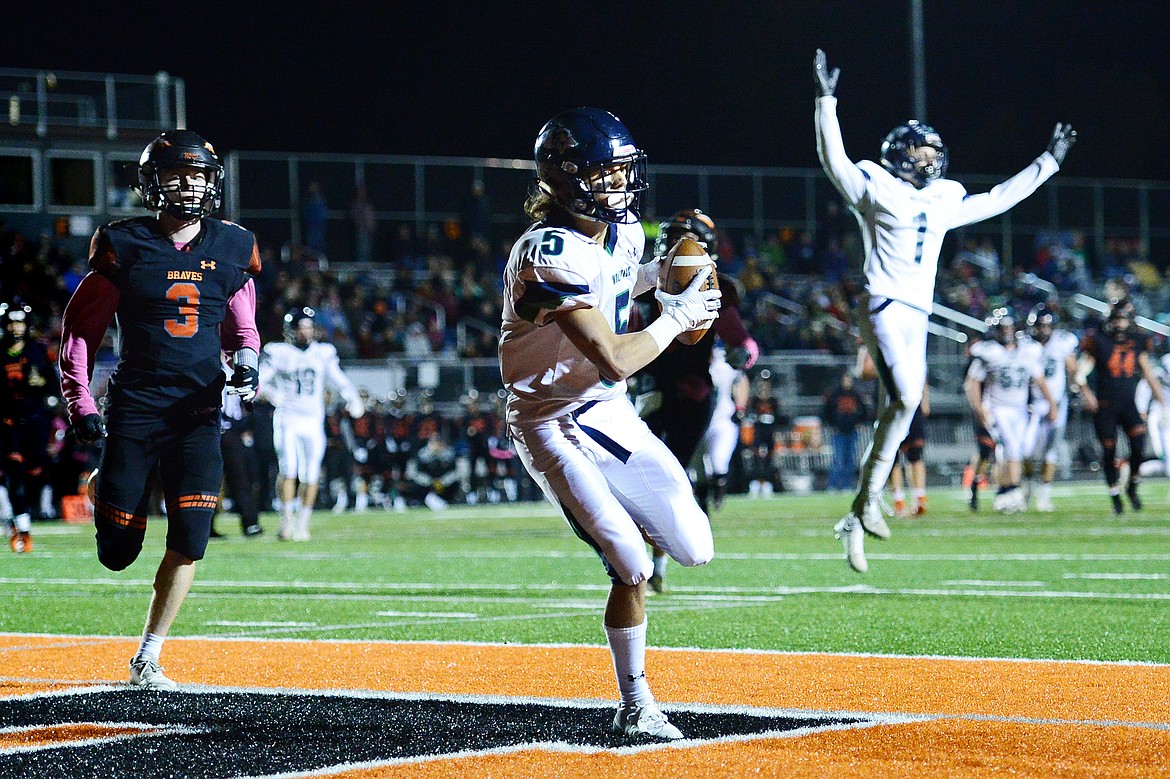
[
  {"x": 29, "y": 380},
  {"x": 180, "y": 285},
  {"x": 1118, "y": 358}
]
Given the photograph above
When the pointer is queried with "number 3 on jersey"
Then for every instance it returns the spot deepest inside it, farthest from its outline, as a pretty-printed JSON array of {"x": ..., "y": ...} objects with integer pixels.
[{"x": 186, "y": 295}]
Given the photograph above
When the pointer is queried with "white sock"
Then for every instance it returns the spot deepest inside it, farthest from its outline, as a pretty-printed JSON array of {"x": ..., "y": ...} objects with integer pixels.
[
  {"x": 151, "y": 646},
  {"x": 660, "y": 564},
  {"x": 899, "y": 494},
  {"x": 918, "y": 492},
  {"x": 1044, "y": 491},
  {"x": 628, "y": 647},
  {"x": 303, "y": 519},
  {"x": 22, "y": 522}
]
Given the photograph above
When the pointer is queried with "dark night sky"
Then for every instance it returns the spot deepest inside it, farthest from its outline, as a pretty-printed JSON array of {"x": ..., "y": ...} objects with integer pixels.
[{"x": 697, "y": 83}]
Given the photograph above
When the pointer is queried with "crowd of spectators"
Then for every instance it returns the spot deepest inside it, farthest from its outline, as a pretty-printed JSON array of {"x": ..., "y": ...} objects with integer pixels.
[{"x": 436, "y": 291}]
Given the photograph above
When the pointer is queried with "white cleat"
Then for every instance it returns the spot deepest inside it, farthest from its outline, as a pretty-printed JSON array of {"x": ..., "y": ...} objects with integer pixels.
[
  {"x": 1045, "y": 505},
  {"x": 873, "y": 522},
  {"x": 634, "y": 721},
  {"x": 148, "y": 675},
  {"x": 852, "y": 536}
]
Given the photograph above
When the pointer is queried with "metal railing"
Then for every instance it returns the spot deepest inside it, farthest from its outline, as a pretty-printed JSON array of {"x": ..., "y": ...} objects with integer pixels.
[{"x": 107, "y": 103}]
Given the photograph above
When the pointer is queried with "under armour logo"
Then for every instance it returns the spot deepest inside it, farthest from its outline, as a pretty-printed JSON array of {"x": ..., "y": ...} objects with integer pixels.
[{"x": 207, "y": 264}]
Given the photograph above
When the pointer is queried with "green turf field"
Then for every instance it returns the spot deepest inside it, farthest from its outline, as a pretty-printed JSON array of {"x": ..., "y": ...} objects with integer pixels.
[{"x": 1076, "y": 584}]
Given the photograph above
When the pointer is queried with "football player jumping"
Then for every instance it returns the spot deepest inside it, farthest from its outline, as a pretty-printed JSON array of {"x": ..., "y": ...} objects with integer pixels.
[
  {"x": 904, "y": 207},
  {"x": 565, "y": 354},
  {"x": 293, "y": 375}
]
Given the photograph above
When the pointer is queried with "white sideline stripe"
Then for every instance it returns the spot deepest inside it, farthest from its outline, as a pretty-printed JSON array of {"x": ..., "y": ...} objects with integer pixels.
[
  {"x": 429, "y": 614},
  {"x": 703, "y": 592},
  {"x": 1117, "y": 576},
  {"x": 231, "y": 623},
  {"x": 86, "y": 640},
  {"x": 991, "y": 583}
]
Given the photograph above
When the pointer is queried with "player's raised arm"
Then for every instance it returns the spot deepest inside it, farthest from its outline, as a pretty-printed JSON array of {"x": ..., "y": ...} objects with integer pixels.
[
  {"x": 976, "y": 208},
  {"x": 846, "y": 177}
]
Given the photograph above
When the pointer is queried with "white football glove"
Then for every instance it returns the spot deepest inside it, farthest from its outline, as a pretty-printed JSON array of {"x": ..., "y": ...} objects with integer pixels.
[
  {"x": 355, "y": 408},
  {"x": 693, "y": 307}
]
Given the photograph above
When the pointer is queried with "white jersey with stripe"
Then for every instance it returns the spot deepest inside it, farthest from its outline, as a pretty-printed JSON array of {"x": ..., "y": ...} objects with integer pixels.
[
  {"x": 902, "y": 227},
  {"x": 294, "y": 379},
  {"x": 553, "y": 270},
  {"x": 1006, "y": 373},
  {"x": 1053, "y": 354}
]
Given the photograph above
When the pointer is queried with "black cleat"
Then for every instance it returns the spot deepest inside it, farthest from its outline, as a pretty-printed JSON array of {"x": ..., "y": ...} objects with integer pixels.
[
  {"x": 251, "y": 531},
  {"x": 1132, "y": 493},
  {"x": 974, "y": 502},
  {"x": 1118, "y": 506}
]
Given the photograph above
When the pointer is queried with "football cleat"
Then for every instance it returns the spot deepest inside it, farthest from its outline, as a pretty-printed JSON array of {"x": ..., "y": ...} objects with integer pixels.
[
  {"x": 1131, "y": 492},
  {"x": 920, "y": 508},
  {"x": 148, "y": 674},
  {"x": 657, "y": 585},
  {"x": 852, "y": 536},
  {"x": 1045, "y": 505},
  {"x": 1118, "y": 506},
  {"x": 900, "y": 509},
  {"x": 634, "y": 721},
  {"x": 21, "y": 541},
  {"x": 873, "y": 522}
]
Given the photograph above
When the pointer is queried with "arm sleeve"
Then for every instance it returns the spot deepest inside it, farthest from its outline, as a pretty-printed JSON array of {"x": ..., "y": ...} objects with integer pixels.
[
  {"x": 341, "y": 382},
  {"x": 239, "y": 324},
  {"x": 86, "y": 318},
  {"x": 976, "y": 208},
  {"x": 849, "y": 179}
]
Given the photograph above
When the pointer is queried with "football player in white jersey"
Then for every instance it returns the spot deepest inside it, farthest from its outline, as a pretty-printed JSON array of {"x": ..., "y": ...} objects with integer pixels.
[
  {"x": 1002, "y": 371},
  {"x": 565, "y": 354},
  {"x": 1058, "y": 350},
  {"x": 904, "y": 207},
  {"x": 1157, "y": 419},
  {"x": 293, "y": 376},
  {"x": 719, "y": 441}
]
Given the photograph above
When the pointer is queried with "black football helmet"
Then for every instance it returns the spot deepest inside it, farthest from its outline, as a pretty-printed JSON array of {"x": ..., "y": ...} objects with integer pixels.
[
  {"x": 180, "y": 148},
  {"x": 1041, "y": 322},
  {"x": 1001, "y": 326},
  {"x": 1119, "y": 321},
  {"x": 689, "y": 221},
  {"x": 292, "y": 326},
  {"x": 573, "y": 152},
  {"x": 899, "y": 158}
]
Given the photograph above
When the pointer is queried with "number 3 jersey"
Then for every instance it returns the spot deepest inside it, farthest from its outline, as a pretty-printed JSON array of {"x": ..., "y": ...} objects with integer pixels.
[
  {"x": 176, "y": 310},
  {"x": 553, "y": 270}
]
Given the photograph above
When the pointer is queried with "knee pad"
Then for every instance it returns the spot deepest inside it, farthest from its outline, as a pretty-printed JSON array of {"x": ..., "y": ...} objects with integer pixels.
[{"x": 117, "y": 549}]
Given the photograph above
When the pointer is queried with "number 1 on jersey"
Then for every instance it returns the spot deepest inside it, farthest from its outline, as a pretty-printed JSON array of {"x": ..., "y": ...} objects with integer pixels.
[{"x": 920, "y": 223}]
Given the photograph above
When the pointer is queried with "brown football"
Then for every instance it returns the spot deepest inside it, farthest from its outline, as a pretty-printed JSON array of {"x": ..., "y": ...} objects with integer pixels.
[{"x": 682, "y": 262}]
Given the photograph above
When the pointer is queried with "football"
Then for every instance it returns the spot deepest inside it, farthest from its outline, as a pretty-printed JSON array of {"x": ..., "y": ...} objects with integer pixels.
[{"x": 682, "y": 262}]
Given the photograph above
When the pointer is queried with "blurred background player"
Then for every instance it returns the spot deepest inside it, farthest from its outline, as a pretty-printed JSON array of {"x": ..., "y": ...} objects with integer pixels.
[
  {"x": 293, "y": 376},
  {"x": 1058, "y": 352},
  {"x": 181, "y": 288},
  {"x": 676, "y": 391},
  {"x": 1157, "y": 421},
  {"x": 29, "y": 381},
  {"x": 722, "y": 435},
  {"x": 844, "y": 410},
  {"x": 910, "y": 461},
  {"x": 565, "y": 354},
  {"x": 905, "y": 207},
  {"x": 1117, "y": 358},
  {"x": 1003, "y": 371}
]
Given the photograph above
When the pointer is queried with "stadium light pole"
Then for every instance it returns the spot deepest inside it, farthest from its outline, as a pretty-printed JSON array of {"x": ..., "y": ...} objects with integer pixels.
[{"x": 918, "y": 58}]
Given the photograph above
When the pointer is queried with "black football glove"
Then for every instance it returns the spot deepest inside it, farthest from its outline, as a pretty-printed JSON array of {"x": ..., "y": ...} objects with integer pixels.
[
  {"x": 90, "y": 428},
  {"x": 1063, "y": 137},
  {"x": 826, "y": 79},
  {"x": 244, "y": 382}
]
